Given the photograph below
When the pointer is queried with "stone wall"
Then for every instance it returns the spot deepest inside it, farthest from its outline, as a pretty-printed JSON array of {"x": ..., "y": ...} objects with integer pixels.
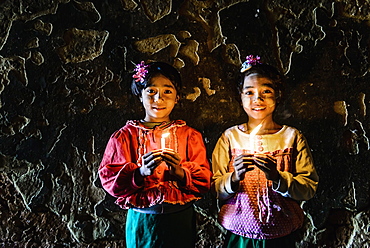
[{"x": 64, "y": 89}]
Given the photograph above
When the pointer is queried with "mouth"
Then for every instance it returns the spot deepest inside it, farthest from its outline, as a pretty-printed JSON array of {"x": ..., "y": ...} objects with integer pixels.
[
  {"x": 259, "y": 108},
  {"x": 159, "y": 108}
]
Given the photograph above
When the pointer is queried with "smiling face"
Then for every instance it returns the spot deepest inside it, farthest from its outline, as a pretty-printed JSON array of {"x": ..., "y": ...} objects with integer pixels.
[
  {"x": 258, "y": 98},
  {"x": 159, "y": 98}
]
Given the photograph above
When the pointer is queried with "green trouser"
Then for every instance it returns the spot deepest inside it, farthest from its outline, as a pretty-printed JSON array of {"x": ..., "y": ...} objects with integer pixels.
[
  {"x": 236, "y": 241},
  {"x": 174, "y": 230}
]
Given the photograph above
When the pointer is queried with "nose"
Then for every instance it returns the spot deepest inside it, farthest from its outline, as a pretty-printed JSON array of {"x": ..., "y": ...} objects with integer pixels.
[
  {"x": 257, "y": 97},
  {"x": 157, "y": 97}
]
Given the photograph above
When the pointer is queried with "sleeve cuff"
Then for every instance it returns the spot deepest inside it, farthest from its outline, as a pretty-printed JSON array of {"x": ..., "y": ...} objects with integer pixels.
[
  {"x": 281, "y": 186},
  {"x": 134, "y": 185},
  {"x": 187, "y": 184},
  {"x": 228, "y": 184},
  {"x": 276, "y": 186}
]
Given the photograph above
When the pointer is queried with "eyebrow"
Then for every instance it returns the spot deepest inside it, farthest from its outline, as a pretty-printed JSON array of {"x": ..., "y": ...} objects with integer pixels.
[
  {"x": 266, "y": 85},
  {"x": 169, "y": 85},
  {"x": 166, "y": 85}
]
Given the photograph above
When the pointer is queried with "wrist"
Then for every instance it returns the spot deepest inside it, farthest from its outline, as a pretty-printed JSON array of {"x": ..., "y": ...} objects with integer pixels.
[
  {"x": 234, "y": 182},
  {"x": 234, "y": 178},
  {"x": 138, "y": 177},
  {"x": 276, "y": 178},
  {"x": 180, "y": 173}
]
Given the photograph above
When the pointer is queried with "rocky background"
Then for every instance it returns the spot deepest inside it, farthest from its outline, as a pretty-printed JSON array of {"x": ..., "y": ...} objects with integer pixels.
[{"x": 64, "y": 89}]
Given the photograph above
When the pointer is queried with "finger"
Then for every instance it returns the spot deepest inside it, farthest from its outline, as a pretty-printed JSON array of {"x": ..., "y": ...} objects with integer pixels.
[
  {"x": 170, "y": 164},
  {"x": 245, "y": 164},
  {"x": 239, "y": 165},
  {"x": 157, "y": 153},
  {"x": 151, "y": 152},
  {"x": 242, "y": 161},
  {"x": 266, "y": 158},
  {"x": 248, "y": 160},
  {"x": 151, "y": 155},
  {"x": 243, "y": 171},
  {"x": 167, "y": 150},
  {"x": 267, "y": 163},
  {"x": 154, "y": 163},
  {"x": 238, "y": 161},
  {"x": 171, "y": 155},
  {"x": 263, "y": 167},
  {"x": 262, "y": 160},
  {"x": 240, "y": 157},
  {"x": 271, "y": 159},
  {"x": 248, "y": 157}
]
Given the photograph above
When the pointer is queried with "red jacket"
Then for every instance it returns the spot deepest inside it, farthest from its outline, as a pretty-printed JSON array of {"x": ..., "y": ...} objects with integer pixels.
[{"x": 123, "y": 155}]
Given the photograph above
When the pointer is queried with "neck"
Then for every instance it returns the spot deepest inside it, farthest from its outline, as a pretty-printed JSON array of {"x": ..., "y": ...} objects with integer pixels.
[
  {"x": 267, "y": 126},
  {"x": 159, "y": 120}
]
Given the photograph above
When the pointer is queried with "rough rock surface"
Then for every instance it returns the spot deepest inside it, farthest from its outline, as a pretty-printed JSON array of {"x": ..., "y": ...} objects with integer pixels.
[{"x": 64, "y": 89}]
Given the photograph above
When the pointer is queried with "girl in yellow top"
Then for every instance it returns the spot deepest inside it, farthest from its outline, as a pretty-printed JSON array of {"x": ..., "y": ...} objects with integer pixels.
[{"x": 262, "y": 169}]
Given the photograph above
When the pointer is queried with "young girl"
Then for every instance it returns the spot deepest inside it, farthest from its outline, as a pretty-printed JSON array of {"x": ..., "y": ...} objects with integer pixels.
[
  {"x": 156, "y": 167},
  {"x": 262, "y": 169}
]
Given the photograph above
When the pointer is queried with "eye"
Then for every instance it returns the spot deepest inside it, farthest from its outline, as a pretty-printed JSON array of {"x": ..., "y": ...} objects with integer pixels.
[
  {"x": 150, "y": 91},
  {"x": 247, "y": 92},
  {"x": 168, "y": 91},
  {"x": 268, "y": 91}
]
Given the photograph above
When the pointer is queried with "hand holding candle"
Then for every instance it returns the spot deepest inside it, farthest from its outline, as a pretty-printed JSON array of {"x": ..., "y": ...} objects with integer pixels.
[
  {"x": 241, "y": 167},
  {"x": 173, "y": 161},
  {"x": 150, "y": 161},
  {"x": 267, "y": 164},
  {"x": 171, "y": 157}
]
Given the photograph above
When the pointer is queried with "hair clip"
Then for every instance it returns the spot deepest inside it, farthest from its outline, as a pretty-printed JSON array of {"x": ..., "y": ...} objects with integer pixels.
[
  {"x": 141, "y": 72},
  {"x": 249, "y": 62}
]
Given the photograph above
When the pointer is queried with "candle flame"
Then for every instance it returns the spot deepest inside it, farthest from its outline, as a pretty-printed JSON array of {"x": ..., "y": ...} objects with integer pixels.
[
  {"x": 165, "y": 135},
  {"x": 256, "y": 129},
  {"x": 163, "y": 139},
  {"x": 253, "y": 134}
]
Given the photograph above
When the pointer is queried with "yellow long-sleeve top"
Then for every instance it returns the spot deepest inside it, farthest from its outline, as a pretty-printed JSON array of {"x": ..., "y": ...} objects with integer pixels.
[{"x": 260, "y": 209}]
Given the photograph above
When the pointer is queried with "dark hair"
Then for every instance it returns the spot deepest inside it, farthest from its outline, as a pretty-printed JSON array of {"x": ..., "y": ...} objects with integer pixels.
[
  {"x": 266, "y": 71},
  {"x": 154, "y": 69}
]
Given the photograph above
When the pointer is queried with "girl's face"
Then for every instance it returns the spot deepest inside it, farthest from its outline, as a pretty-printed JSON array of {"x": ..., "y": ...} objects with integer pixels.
[
  {"x": 258, "y": 98},
  {"x": 159, "y": 98}
]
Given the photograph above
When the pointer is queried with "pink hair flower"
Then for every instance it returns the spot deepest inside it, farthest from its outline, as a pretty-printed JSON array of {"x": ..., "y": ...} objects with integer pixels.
[
  {"x": 141, "y": 72},
  {"x": 249, "y": 62}
]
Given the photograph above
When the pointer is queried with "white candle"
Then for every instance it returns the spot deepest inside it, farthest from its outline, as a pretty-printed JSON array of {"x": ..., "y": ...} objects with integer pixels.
[
  {"x": 253, "y": 135},
  {"x": 163, "y": 139}
]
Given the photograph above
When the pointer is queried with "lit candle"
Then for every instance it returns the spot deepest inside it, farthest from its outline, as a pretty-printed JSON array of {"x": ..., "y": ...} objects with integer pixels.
[
  {"x": 163, "y": 139},
  {"x": 252, "y": 136}
]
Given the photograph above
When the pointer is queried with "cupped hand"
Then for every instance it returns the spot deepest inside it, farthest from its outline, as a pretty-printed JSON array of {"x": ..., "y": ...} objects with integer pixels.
[
  {"x": 241, "y": 167},
  {"x": 267, "y": 164},
  {"x": 151, "y": 160},
  {"x": 173, "y": 160}
]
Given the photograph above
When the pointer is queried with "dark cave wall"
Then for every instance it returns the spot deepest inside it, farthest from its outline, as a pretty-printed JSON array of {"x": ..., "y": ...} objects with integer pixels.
[{"x": 64, "y": 89}]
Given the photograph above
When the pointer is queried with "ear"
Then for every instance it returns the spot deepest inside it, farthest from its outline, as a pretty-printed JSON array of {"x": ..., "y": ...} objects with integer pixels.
[
  {"x": 141, "y": 99},
  {"x": 177, "y": 99}
]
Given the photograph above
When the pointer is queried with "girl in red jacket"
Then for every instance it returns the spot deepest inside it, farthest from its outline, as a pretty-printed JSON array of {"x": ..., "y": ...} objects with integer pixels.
[{"x": 156, "y": 167}]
